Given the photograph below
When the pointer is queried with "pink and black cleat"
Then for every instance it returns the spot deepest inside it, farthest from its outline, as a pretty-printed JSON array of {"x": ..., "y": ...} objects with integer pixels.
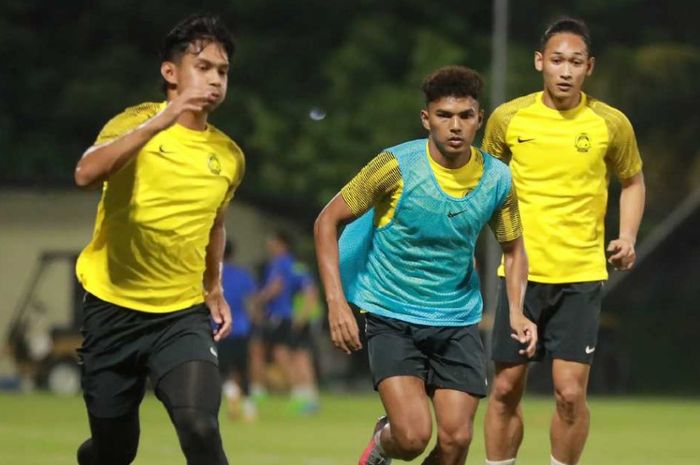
[{"x": 371, "y": 455}]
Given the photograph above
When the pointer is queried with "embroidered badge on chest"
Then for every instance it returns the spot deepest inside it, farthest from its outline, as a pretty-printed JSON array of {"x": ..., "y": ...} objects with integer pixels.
[
  {"x": 583, "y": 142},
  {"x": 214, "y": 164}
]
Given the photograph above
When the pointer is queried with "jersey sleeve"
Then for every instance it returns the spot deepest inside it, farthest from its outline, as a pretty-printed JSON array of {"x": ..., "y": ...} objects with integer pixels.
[
  {"x": 623, "y": 154},
  {"x": 494, "y": 141},
  {"x": 237, "y": 177},
  {"x": 505, "y": 222},
  {"x": 377, "y": 180},
  {"x": 126, "y": 121}
]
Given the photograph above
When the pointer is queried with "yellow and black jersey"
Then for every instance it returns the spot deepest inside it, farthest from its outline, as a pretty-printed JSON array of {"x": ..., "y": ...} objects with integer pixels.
[
  {"x": 153, "y": 221},
  {"x": 379, "y": 184},
  {"x": 561, "y": 162}
]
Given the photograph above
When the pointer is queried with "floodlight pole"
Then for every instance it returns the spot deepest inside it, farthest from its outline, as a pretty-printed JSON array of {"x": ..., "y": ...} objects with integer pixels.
[{"x": 499, "y": 62}]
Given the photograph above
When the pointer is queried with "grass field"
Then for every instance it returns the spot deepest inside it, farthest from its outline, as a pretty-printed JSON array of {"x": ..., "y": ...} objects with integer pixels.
[{"x": 41, "y": 429}]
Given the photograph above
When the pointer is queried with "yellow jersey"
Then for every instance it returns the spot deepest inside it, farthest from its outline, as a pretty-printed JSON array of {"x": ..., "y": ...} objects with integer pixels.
[
  {"x": 153, "y": 221},
  {"x": 379, "y": 185},
  {"x": 561, "y": 163}
]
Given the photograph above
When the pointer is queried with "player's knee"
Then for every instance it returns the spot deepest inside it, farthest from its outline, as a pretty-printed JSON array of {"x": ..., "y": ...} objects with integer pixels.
[
  {"x": 412, "y": 441},
  {"x": 86, "y": 453},
  {"x": 506, "y": 392},
  {"x": 197, "y": 429},
  {"x": 122, "y": 454},
  {"x": 571, "y": 401},
  {"x": 455, "y": 440}
]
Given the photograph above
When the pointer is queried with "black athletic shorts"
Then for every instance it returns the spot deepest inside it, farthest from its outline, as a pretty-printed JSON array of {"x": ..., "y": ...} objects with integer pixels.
[
  {"x": 301, "y": 337},
  {"x": 121, "y": 347},
  {"x": 445, "y": 357},
  {"x": 278, "y": 331},
  {"x": 233, "y": 355},
  {"x": 567, "y": 317}
]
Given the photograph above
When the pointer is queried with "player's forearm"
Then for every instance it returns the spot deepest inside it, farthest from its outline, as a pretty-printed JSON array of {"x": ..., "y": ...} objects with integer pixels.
[
  {"x": 272, "y": 290},
  {"x": 215, "y": 256},
  {"x": 100, "y": 162},
  {"x": 516, "y": 271},
  {"x": 326, "y": 242},
  {"x": 632, "y": 199}
]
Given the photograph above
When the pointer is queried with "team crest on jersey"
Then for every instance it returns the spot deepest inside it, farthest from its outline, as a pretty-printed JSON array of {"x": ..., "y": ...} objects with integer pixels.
[
  {"x": 583, "y": 142},
  {"x": 214, "y": 164}
]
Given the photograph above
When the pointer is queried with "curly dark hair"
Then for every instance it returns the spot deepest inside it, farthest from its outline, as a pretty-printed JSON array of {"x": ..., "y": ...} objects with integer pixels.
[{"x": 452, "y": 81}]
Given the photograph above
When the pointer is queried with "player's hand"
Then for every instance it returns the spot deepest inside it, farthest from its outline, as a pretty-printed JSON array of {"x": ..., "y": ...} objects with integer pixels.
[
  {"x": 344, "y": 331},
  {"x": 220, "y": 313},
  {"x": 622, "y": 254},
  {"x": 525, "y": 332},
  {"x": 191, "y": 99}
]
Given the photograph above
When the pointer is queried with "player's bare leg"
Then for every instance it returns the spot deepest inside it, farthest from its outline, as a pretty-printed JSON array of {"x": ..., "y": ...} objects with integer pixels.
[
  {"x": 410, "y": 423},
  {"x": 256, "y": 360},
  {"x": 571, "y": 418},
  {"x": 454, "y": 412},
  {"x": 305, "y": 379},
  {"x": 503, "y": 424}
]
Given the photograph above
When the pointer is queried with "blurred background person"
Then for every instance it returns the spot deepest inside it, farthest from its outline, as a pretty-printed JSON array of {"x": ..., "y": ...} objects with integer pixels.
[
  {"x": 275, "y": 300},
  {"x": 306, "y": 317},
  {"x": 239, "y": 288}
]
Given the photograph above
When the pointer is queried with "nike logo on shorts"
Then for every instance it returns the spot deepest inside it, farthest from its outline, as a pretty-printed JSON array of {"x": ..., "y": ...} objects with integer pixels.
[{"x": 590, "y": 350}]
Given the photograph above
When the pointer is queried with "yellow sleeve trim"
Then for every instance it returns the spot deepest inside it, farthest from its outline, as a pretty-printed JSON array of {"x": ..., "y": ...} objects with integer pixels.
[
  {"x": 375, "y": 182},
  {"x": 128, "y": 120},
  {"x": 495, "y": 141},
  {"x": 623, "y": 153},
  {"x": 505, "y": 223}
]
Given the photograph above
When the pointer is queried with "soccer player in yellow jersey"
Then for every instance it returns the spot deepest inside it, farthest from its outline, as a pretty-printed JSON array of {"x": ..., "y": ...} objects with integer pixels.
[
  {"x": 407, "y": 259},
  {"x": 562, "y": 145},
  {"x": 152, "y": 272}
]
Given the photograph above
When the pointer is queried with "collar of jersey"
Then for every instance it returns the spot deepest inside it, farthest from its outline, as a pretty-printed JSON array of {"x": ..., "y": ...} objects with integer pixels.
[
  {"x": 437, "y": 184},
  {"x": 553, "y": 111}
]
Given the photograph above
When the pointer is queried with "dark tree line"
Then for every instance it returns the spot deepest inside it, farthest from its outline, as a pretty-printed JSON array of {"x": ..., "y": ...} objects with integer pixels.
[{"x": 318, "y": 87}]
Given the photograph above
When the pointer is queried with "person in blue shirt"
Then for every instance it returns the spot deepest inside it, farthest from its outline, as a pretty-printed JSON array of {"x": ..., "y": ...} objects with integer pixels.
[
  {"x": 239, "y": 288},
  {"x": 276, "y": 300},
  {"x": 406, "y": 258},
  {"x": 306, "y": 317}
]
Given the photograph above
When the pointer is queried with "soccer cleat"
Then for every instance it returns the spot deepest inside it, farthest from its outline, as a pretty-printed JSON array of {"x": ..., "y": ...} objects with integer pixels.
[{"x": 371, "y": 455}]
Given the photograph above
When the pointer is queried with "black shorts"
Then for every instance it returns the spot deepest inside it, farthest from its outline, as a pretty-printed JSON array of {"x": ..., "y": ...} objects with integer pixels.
[
  {"x": 278, "y": 332},
  {"x": 233, "y": 355},
  {"x": 301, "y": 338},
  {"x": 445, "y": 357},
  {"x": 567, "y": 317},
  {"x": 122, "y": 347}
]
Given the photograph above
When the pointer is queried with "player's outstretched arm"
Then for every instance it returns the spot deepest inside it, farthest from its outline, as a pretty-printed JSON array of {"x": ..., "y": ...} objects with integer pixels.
[
  {"x": 101, "y": 161},
  {"x": 632, "y": 199},
  {"x": 344, "y": 331},
  {"x": 516, "y": 270}
]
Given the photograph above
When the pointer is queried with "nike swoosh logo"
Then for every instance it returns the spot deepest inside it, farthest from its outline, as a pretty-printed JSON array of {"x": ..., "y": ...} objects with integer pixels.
[
  {"x": 453, "y": 214},
  {"x": 162, "y": 149},
  {"x": 590, "y": 350},
  {"x": 521, "y": 140}
]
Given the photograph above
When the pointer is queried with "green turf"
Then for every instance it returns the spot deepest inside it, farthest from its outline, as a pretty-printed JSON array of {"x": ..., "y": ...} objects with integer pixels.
[{"x": 42, "y": 430}]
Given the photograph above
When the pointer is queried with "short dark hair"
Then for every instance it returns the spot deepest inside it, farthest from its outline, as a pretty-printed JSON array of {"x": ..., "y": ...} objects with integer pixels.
[
  {"x": 452, "y": 81},
  {"x": 284, "y": 238},
  {"x": 570, "y": 25},
  {"x": 203, "y": 28},
  {"x": 199, "y": 29}
]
